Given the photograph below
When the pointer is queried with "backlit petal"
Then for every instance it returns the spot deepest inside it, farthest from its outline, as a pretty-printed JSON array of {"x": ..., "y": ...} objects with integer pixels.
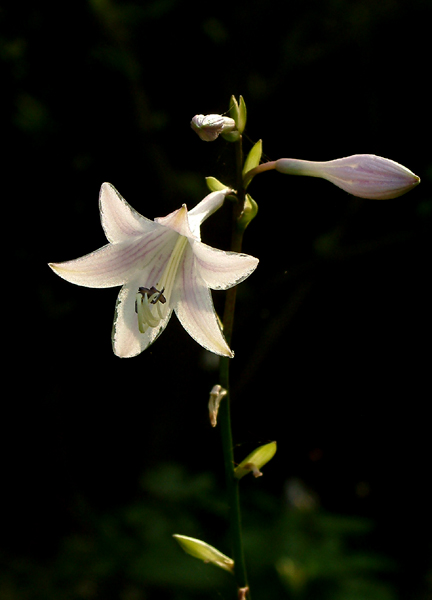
[
  {"x": 119, "y": 219},
  {"x": 221, "y": 270},
  {"x": 127, "y": 341},
  {"x": 194, "y": 308},
  {"x": 177, "y": 221},
  {"x": 115, "y": 264},
  {"x": 210, "y": 204}
]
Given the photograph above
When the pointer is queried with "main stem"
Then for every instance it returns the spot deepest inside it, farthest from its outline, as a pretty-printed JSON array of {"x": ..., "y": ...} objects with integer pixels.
[{"x": 224, "y": 417}]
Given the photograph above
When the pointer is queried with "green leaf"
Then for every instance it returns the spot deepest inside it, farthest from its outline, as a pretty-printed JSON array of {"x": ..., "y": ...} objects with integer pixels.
[{"x": 253, "y": 158}]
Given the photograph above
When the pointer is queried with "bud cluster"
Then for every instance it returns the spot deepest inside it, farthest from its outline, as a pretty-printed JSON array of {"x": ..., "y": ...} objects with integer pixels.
[{"x": 363, "y": 175}]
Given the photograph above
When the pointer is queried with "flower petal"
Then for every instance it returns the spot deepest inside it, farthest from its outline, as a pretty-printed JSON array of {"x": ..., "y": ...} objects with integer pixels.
[
  {"x": 115, "y": 264},
  {"x": 177, "y": 221},
  {"x": 193, "y": 305},
  {"x": 127, "y": 340},
  {"x": 222, "y": 270},
  {"x": 210, "y": 204},
  {"x": 119, "y": 219}
]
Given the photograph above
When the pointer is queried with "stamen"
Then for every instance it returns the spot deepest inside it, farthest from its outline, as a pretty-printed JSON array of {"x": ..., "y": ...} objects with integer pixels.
[
  {"x": 149, "y": 318},
  {"x": 158, "y": 296},
  {"x": 145, "y": 317},
  {"x": 151, "y": 292},
  {"x": 147, "y": 298}
]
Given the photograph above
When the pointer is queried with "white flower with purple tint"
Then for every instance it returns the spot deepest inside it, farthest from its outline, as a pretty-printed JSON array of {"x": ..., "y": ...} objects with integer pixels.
[{"x": 162, "y": 266}]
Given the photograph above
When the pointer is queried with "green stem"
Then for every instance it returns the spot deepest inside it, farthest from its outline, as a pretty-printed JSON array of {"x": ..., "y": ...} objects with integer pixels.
[
  {"x": 224, "y": 417},
  {"x": 268, "y": 166}
]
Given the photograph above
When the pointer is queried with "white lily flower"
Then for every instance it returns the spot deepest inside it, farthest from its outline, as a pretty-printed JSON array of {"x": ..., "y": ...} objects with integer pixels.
[{"x": 162, "y": 266}]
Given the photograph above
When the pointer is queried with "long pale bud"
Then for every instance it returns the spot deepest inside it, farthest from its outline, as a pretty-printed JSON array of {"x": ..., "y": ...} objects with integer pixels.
[{"x": 363, "y": 175}]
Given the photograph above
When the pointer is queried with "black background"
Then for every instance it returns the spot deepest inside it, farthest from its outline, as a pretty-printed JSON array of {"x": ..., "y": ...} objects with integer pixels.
[{"x": 332, "y": 337}]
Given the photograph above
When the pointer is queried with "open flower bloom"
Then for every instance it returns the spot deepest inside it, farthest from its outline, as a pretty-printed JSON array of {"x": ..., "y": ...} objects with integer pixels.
[
  {"x": 363, "y": 175},
  {"x": 162, "y": 266}
]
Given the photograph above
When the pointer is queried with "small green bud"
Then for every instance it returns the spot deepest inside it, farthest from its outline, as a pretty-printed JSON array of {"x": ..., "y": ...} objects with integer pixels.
[
  {"x": 205, "y": 552},
  {"x": 255, "y": 461},
  {"x": 238, "y": 113},
  {"x": 242, "y": 115},
  {"x": 234, "y": 109},
  {"x": 214, "y": 185},
  {"x": 249, "y": 212}
]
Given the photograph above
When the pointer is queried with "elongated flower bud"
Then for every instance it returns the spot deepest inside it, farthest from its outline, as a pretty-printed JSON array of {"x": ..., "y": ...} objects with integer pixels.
[
  {"x": 205, "y": 552},
  {"x": 363, "y": 175},
  {"x": 255, "y": 461},
  {"x": 209, "y": 127}
]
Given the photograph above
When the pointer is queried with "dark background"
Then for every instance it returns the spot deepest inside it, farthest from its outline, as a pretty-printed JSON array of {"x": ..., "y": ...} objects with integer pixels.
[{"x": 105, "y": 458}]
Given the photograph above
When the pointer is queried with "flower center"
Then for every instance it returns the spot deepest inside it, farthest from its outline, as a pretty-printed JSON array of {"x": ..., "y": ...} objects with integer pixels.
[{"x": 152, "y": 303}]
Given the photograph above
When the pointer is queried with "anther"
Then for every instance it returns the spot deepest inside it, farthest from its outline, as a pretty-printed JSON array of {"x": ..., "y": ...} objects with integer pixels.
[{"x": 150, "y": 292}]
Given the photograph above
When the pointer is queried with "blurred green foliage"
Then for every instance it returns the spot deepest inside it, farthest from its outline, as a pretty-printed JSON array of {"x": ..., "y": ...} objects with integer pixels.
[{"x": 294, "y": 548}]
